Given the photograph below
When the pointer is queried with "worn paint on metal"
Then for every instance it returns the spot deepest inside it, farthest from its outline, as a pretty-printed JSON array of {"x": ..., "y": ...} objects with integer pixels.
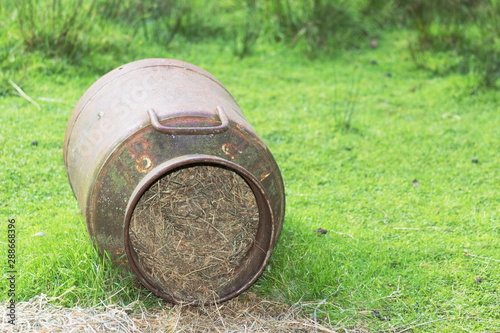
[{"x": 141, "y": 121}]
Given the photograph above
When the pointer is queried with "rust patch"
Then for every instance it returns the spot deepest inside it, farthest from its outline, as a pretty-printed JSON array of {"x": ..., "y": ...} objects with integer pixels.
[
  {"x": 139, "y": 151},
  {"x": 144, "y": 164},
  {"x": 138, "y": 147},
  {"x": 231, "y": 150},
  {"x": 264, "y": 175}
]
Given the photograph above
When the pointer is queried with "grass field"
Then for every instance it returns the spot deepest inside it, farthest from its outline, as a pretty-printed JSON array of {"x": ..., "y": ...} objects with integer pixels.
[{"x": 399, "y": 165}]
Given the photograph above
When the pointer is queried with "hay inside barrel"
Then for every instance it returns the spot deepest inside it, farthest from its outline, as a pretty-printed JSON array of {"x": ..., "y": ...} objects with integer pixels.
[{"x": 192, "y": 231}]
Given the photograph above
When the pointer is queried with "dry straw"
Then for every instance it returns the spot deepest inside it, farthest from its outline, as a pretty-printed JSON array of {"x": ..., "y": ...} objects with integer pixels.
[
  {"x": 192, "y": 231},
  {"x": 245, "y": 314}
]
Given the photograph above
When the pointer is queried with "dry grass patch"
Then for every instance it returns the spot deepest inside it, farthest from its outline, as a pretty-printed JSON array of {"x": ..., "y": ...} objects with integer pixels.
[
  {"x": 246, "y": 313},
  {"x": 192, "y": 231}
]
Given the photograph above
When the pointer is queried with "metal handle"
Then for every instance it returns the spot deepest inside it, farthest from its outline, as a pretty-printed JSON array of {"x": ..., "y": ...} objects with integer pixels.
[{"x": 224, "y": 122}]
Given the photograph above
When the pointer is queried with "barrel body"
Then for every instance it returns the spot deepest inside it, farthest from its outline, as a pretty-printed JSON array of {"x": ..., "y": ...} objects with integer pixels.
[{"x": 173, "y": 181}]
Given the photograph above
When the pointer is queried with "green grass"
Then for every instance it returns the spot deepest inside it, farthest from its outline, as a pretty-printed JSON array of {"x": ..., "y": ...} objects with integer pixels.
[{"x": 391, "y": 246}]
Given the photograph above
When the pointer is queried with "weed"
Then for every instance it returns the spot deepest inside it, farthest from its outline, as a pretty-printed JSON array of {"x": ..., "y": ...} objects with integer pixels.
[
  {"x": 160, "y": 21},
  {"x": 57, "y": 28},
  {"x": 344, "y": 106},
  {"x": 465, "y": 31},
  {"x": 245, "y": 36},
  {"x": 323, "y": 26}
]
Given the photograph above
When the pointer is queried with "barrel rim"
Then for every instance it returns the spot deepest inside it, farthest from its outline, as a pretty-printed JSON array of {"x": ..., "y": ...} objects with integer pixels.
[{"x": 266, "y": 219}]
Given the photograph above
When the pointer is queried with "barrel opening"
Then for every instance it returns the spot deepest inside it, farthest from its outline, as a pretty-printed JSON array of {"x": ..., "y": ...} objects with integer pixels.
[{"x": 199, "y": 233}]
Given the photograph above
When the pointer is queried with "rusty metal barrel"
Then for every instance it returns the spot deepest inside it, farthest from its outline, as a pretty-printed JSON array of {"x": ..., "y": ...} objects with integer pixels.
[{"x": 173, "y": 181}]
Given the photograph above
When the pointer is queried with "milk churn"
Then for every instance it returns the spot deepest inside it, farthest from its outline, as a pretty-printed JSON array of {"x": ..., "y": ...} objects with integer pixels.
[{"x": 173, "y": 181}]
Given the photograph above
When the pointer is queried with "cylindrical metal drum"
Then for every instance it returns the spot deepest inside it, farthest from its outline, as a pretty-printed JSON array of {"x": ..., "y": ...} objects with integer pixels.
[{"x": 173, "y": 181}]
